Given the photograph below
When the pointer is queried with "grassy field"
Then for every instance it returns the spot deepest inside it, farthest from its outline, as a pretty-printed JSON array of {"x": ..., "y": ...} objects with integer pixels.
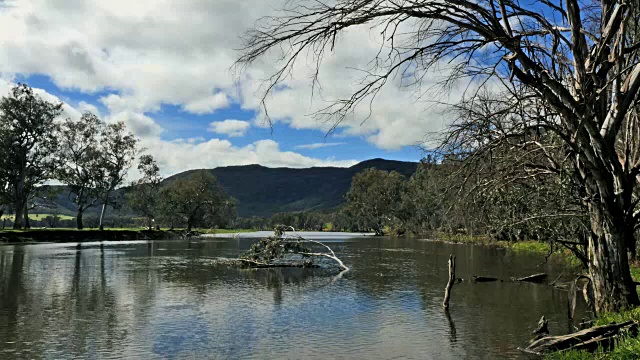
[{"x": 38, "y": 217}]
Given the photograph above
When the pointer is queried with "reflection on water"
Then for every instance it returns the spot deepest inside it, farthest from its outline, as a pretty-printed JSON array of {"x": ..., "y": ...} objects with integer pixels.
[{"x": 170, "y": 300}]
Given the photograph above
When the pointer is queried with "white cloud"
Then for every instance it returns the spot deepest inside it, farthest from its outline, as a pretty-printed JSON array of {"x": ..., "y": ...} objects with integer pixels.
[
  {"x": 84, "y": 107},
  {"x": 180, "y": 53},
  {"x": 230, "y": 127},
  {"x": 177, "y": 156},
  {"x": 208, "y": 104},
  {"x": 319, "y": 145},
  {"x": 140, "y": 124}
]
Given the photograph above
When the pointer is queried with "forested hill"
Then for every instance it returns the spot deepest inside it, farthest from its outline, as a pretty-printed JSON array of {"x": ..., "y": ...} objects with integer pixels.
[{"x": 263, "y": 191}]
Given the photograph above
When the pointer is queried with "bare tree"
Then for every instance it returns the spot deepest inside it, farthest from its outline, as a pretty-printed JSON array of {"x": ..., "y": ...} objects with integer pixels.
[{"x": 576, "y": 60}]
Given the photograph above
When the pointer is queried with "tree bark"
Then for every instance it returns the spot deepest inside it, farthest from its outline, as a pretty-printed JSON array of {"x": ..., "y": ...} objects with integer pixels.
[
  {"x": 104, "y": 208},
  {"x": 19, "y": 202},
  {"x": 608, "y": 263},
  {"x": 27, "y": 224},
  {"x": 79, "y": 223},
  {"x": 452, "y": 279}
]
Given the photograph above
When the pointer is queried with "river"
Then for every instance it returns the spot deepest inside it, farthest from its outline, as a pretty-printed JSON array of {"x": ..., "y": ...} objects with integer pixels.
[{"x": 168, "y": 300}]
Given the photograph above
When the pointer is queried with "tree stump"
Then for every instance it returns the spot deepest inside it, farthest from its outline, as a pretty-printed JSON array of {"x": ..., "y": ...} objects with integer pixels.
[{"x": 452, "y": 279}]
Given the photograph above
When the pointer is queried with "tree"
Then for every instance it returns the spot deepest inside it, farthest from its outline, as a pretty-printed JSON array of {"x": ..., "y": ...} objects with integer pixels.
[
  {"x": 117, "y": 153},
  {"x": 422, "y": 206},
  {"x": 143, "y": 197},
  {"x": 29, "y": 143},
  {"x": 193, "y": 199},
  {"x": 82, "y": 168},
  {"x": 575, "y": 62},
  {"x": 374, "y": 198}
]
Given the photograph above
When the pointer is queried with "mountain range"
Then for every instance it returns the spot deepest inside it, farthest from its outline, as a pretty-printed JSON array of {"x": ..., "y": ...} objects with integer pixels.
[{"x": 263, "y": 191}]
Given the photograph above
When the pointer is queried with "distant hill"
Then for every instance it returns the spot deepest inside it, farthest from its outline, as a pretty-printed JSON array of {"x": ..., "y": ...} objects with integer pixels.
[{"x": 263, "y": 191}]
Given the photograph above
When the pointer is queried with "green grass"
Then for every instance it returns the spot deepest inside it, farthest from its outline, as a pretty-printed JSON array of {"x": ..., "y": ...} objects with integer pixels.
[
  {"x": 625, "y": 348},
  {"x": 38, "y": 217}
]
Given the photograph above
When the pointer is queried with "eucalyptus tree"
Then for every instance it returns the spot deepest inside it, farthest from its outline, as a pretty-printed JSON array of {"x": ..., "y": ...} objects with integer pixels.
[
  {"x": 118, "y": 149},
  {"x": 81, "y": 168},
  {"x": 28, "y": 137},
  {"x": 374, "y": 199},
  {"x": 144, "y": 195},
  {"x": 576, "y": 60},
  {"x": 196, "y": 199}
]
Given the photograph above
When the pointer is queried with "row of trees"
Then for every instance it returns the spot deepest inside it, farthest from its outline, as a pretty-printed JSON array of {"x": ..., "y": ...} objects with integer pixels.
[
  {"x": 36, "y": 147},
  {"x": 93, "y": 159}
]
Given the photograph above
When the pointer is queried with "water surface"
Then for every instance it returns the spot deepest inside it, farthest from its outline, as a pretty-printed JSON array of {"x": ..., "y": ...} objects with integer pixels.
[{"x": 167, "y": 299}]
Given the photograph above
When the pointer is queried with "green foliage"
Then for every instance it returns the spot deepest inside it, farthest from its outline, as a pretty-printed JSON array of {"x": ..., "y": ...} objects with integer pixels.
[
  {"x": 197, "y": 200},
  {"x": 144, "y": 196},
  {"x": 82, "y": 165},
  {"x": 374, "y": 200},
  {"x": 118, "y": 150},
  {"x": 28, "y": 145}
]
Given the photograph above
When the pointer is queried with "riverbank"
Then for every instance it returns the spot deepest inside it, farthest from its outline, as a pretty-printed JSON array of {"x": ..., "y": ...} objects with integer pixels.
[
  {"x": 71, "y": 235},
  {"x": 625, "y": 348}
]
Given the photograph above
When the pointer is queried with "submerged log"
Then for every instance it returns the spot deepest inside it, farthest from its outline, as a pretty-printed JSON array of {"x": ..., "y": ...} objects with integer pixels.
[
  {"x": 535, "y": 278},
  {"x": 484, "y": 279},
  {"x": 587, "y": 339},
  {"x": 452, "y": 279}
]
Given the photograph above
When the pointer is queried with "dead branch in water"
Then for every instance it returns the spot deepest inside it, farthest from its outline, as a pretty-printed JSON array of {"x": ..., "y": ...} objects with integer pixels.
[
  {"x": 281, "y": 250},
  {"x": 452, "y": 279}
]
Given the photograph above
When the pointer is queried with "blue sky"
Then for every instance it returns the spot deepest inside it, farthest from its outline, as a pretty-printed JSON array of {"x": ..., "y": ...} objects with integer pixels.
[{"x": 165, "y": 72}]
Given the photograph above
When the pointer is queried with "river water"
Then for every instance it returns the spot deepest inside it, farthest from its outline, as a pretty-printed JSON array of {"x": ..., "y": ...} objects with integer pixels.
[{"x": 167, "y": 300}]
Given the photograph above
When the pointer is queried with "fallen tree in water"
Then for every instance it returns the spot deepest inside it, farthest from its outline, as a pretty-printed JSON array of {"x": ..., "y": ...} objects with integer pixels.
[
  {"x": 284, "y": 250},
  {"x": 588, "y": 339}
]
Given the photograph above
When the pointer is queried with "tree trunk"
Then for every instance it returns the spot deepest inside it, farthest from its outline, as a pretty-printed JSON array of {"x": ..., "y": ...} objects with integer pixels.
[
  {"x": 104, "y": 208},
  {"x": 19, "y": 202},
  {"x": 27, "y": 224},
  {"x": 79, "y": 223},
  {"x": 189, "y": 225},
  {"x": 608, "y": 263}
]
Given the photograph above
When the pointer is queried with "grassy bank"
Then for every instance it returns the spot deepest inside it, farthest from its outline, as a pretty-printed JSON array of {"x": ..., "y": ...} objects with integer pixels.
[{"x": 74, "y": 235}]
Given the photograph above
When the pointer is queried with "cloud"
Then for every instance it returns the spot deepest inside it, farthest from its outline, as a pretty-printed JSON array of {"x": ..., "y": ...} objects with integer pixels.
[
  {"x": 230, "y": 127},
  {"x": 144, "y": 55},
  {"x": 208, "y": 104},
  {"x": 319, "y": 145},
  {"x": 177, "y": 156},
  {"x": 140, "y": 124}
]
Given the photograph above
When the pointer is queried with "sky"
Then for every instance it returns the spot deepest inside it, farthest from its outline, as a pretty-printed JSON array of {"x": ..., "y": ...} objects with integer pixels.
[{"x": 164, "y": 67}]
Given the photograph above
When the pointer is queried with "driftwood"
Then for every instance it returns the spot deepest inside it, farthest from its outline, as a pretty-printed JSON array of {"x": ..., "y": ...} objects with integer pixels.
[
  {"x": 587, "y": 339},
  {"x": 484, "y": 279},
  {"x": 543, "y": 327},
  {"x": 587, "y": 292},
  {"x": 283, "y": 250},
  {"x": 452, "y": 279},
  {"x": 535, "y": 278}
]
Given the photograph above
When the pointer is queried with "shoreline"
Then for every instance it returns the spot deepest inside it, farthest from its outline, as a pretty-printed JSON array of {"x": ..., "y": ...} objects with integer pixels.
[{"x": 41, "y": 236}]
